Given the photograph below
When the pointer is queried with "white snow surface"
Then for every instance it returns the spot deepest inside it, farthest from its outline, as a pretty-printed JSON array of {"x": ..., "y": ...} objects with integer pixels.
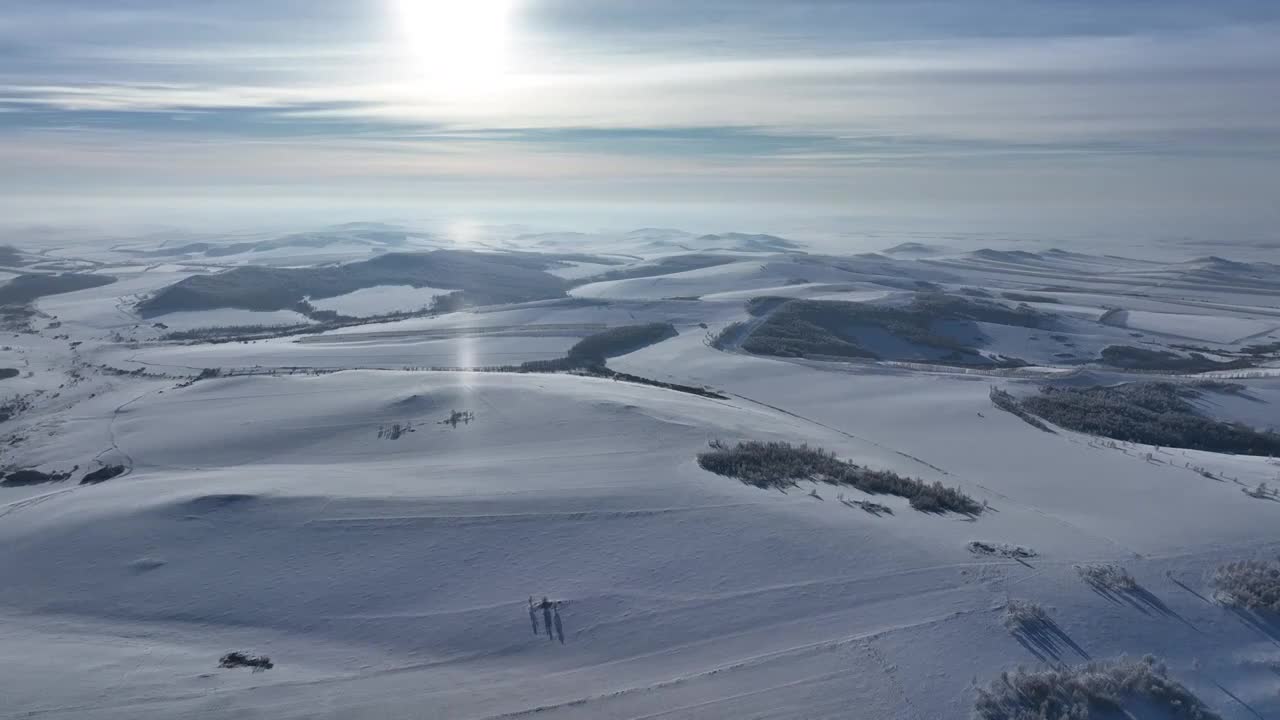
[
  {"x": 272, "y": 511},
  {"x": 762, "y": 278},
  {"x": 1207, "y": 327},
  {"x": 380, "y": 300},
  {"x": 229, "y": 317}
]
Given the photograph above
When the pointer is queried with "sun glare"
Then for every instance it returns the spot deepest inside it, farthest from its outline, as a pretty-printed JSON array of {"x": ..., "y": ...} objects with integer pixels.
[{"x": 460, "y": 46}]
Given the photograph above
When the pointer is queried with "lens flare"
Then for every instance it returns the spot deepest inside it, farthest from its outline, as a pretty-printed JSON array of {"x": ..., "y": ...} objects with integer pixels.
[{"x": 459, "y": 46}]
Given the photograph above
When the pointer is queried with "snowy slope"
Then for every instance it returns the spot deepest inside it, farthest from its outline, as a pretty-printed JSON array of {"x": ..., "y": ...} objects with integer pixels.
[
  {"x": 370, "y": 566},
  {"x": 380, "y": 300},
  {"x": 384, "y": 558}
]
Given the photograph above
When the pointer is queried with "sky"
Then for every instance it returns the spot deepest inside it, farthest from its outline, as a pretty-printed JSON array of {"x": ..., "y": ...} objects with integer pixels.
[{"x": 1165, "y": 112}]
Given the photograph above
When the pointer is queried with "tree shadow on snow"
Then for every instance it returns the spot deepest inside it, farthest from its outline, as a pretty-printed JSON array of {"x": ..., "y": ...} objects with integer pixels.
[
  {"x": 1267, "y": 623},
  {"x": 551, "y": 621},
  {"x": 546, "y": 621},
  {"x": 1140, "y": 599},
  {"x": 1045, "y": 640},
  {"x": 867, "y": 506},
  {"x": 1187, "y": 587},
  {"x": 1235, "y": 697}
]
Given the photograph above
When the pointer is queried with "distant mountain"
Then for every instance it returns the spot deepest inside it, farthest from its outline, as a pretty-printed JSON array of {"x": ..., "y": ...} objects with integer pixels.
[
  {"x": 913, "y": 249},
  {"x": 1015, "y": 256},
  {"x": 366, "y": 227},
  {"x": 656, "y": 233},
  {"x": 11, "y": 256},
  {"x": 1221, "y": 264},
  {"x": 1224, "y": 273},
  {"x": 376, "y": 235},
  {"x": 25, "y": 288},
  {"x": 551, "y": 238},
  {"x": 663, "y": 266},
  {"x": 745, "y": 242},
  {"x": 379, "y": 237}
]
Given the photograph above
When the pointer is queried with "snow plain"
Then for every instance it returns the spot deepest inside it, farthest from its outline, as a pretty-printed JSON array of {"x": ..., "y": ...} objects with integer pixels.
[
  {"x": 272, "y": 512},
  {"x": 380, "y": 300}
]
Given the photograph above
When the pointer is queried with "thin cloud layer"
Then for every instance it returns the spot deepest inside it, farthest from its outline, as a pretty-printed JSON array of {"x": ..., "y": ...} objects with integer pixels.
[{"x": 320, "y": 96}]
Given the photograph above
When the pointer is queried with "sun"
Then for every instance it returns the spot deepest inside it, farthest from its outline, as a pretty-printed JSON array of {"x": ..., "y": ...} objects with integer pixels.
[{"x": 459, "y": 46}]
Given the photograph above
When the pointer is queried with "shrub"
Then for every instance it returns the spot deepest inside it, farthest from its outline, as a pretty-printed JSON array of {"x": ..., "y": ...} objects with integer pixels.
[
  {"x": 729, "y": 335},
  {"x": 1025, "y": 616},
  {"x": 1029, "y": 298},
  {"x": 222, "y": 331},
  {"x": 1153, "y": 413},
  {"x": 598, "y": 369},
  {"x": 780, "y": 464},
  {"x": 240, "y": 659},
  {"x": 1095, "y": 690},
  {"x": 485, "y": 278},
  {"x": 1135, "y": 358},
  {"x": 102, "y": 474},
  {"x": 590, "y": 353},
  {"x": 25, "y": 477},
  {"x": 762, "y": 305},
  {"x": 1009, "y": 403},
  {"x": 933, "y": 320},
  {"x": 1261, "y": 492},
  {"x": 1013, "y": 552},
  {"x": 1108, "y": 578},
  {"x": 25, "y": 288},
  {"x": 620, "y": 341},
  {"x": 13, "y": 406},
  {"x": 563, "y": 364},
  {"x": 1248, "y": 584},
  {"x": 805, "y": 328}
]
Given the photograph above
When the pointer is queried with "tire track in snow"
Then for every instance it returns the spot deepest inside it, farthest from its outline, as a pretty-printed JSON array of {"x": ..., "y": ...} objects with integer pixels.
[
  {"x": 743, "y": 663},
  {"x": 849, "y": 435},
  {"x": 33, "y": 501},
  {"x": 812, "y": 680},
  {"x": 111, "y": 432},
  {"x": 523, "y": 517},
  {"x": 746, "y": 662}
]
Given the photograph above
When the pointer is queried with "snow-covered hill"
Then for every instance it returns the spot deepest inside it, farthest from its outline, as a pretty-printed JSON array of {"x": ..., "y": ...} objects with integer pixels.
[{"x": 379, "y": 530}]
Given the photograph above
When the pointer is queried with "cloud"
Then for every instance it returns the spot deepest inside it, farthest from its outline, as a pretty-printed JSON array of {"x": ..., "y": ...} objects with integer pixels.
[
  {"x": 807, "y": 93},
  {"x": 1010, "y": 88}
]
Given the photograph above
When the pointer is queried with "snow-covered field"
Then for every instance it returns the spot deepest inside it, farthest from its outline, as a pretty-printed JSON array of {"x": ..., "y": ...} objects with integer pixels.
[
  {"x": 349, "y": 351},
  {"x": 1207, "y": 327},
  {"x": 763, "y": 278},
  {"x": 380, "y": 300},
  {"x": 384, "y": 557},
  {"x": 229, "y": 317}
]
